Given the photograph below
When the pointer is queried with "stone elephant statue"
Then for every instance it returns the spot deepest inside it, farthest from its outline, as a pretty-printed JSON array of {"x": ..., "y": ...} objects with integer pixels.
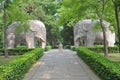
[
  {"x": 84, "y": 33},
  {"x": 36, "y": 32}
]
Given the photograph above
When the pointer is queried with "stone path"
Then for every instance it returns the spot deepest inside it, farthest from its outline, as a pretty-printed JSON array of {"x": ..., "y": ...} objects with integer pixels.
[{"x": 55, "y": 65}]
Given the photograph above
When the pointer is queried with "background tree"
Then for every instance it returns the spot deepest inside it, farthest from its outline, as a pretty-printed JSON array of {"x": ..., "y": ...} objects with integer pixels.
[
  {"x": 69, "y": 12},
  {"x": 73, "y": 11},
  {"x": 11, "y": 10},
  {"x": 100, "y": 11},
  {"x": 117, "y": 10},
  {"x": 67, "y": 34},
  {"x": 45, "y": 11}
]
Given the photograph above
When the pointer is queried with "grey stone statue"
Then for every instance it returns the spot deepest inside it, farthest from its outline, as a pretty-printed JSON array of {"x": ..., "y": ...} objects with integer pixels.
[
  {"x": 36, "y": 31},
  {"x": 84, "y": 33}
]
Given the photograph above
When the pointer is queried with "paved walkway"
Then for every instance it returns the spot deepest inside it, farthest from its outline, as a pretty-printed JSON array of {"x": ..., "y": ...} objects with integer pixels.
[{"x": 55, "y": 65}]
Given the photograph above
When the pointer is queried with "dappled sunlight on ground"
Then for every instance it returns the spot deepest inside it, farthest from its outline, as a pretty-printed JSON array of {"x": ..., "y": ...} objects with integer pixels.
[
  {"x": 114, "y": 57},
  {"x": 39, "y": 63},
  {"x": 57, "y": 65}
]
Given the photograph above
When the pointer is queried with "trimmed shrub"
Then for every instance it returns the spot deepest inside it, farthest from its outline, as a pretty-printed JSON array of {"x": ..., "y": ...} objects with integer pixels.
[
  {"x": 106, "y": 69},
  {"x": 15, "y": 70},
  {"x": 47, "y": 48},
  {"x": 100, "y": 49},
  {"x": 73, "y": 48},
  {"x": 16, "y": 51}
]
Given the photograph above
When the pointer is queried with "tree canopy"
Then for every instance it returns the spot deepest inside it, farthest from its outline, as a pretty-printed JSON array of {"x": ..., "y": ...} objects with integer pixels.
[{"x": 59, "y": 16}]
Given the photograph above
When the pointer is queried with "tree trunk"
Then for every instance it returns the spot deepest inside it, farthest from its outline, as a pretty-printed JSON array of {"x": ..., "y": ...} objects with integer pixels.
[
  {"x": 5, "y": 34},
  {"x": 118, "y": 23},
  {"x": 104, "y": 37},
  {"x": 101, "y": 16}
]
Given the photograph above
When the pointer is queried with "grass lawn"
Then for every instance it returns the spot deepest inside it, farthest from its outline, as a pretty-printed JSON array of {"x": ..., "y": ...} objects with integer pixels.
[
  {"x": 114, "y": 57},
  {"x": 5, "y": 60}
]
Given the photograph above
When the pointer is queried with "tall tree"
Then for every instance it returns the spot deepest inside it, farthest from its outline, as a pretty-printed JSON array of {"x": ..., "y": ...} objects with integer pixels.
[
  {"x": 100, "y": 11},
  {"x": 117, "y": 10},
  {"x": 5, "y": 29},
  {"x": 45, "y": 10},
  {"x": 72, "y": 11},
  {"x": 11, "y": 10}
]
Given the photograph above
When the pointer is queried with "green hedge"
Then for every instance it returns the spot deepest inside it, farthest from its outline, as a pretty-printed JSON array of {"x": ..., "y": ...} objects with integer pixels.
[
  {"x": 47, "y": 48},
  {"x": 100, "y": 49},
  {"x": 15, "y": 70},
  {"x": 16, "y": 51},
  {"x": 106, "y": 69},
  {"x": 73, "y": 48}
]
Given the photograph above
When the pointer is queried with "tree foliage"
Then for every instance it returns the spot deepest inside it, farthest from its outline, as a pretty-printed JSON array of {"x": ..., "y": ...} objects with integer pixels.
[
  {"x": 10, "y": 10},
  {"x": 68, "y": 12},
  {"x": 14, "y": 12},
  {"x": 72, "y": 11},
  {"x": 45, "y": 10},
  {"x": 22, "y": 10}
]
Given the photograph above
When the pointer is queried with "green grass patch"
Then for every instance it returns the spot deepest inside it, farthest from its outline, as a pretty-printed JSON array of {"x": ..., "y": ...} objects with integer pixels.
[
  {"x": 114, "y": 57},
  {"x": 4, "y": 60},
  {"x": 100, "y": 49}
]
